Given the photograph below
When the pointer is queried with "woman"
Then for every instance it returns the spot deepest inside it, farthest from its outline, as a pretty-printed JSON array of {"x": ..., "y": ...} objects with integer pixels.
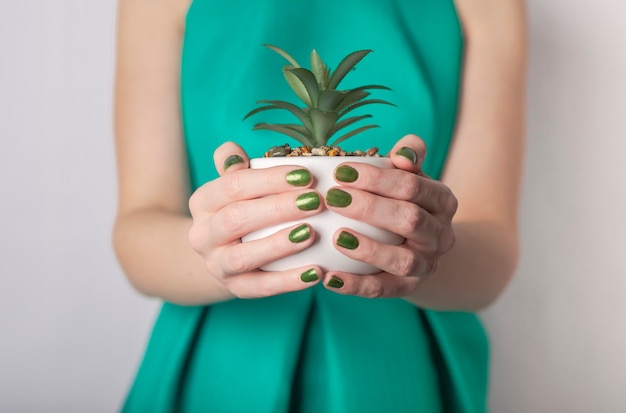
[{"x": 233, "y": 338}]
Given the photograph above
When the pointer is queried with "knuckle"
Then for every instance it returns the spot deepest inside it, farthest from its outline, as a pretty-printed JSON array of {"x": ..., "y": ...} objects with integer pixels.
[
  {"x": 264, "y": 290},
  {"x": 196, "y": 238},
  {"x": 232, "y": 217},
  {"x": 406, "y": 265},
  {"x": 430, "y": 266},
  {"x": 372, "y": 291},
  {"x": 448, "y": 240},
  {"x": 414, "y": 218},
  {"x": 215, "y": 270},
  {"x": 451, "y": 203},
  {"x": 407, "y": 287},
  {"x": 239, "y": 292},
  {"x": 193, "y": 203},
  {"x": 234, "y": 261}
]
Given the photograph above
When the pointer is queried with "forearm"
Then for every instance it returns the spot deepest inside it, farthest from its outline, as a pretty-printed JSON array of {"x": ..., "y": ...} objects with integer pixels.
[
  {"x": 474, "y": 273},
  {"x": 153, "y": 249}
]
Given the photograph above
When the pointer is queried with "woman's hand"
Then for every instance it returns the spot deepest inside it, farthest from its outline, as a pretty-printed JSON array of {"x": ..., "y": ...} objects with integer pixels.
[
  {"x": 241, "y": 201},
  {"x": 403, "y": 201}
]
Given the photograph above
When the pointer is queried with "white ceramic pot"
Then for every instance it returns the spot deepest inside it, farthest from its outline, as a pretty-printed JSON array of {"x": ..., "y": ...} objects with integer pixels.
[{"x": 323, "y": 252}]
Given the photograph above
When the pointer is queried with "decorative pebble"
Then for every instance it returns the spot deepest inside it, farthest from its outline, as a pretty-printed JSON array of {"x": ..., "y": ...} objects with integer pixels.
[
  {"x": 287, "y": 150},
  {"x": 371, "y": 152},
  {"x": 283, "y": 150}
]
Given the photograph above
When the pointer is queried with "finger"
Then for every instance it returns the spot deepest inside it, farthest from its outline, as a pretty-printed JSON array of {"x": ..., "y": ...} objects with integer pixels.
[
  {"x": 230, "y": 157},
  {"x": 242, "y": 257},
  {"x": 246, "y": 184},
  {"x": 381, "y": 285},
  {"x": 408, "y": 153},
  {"x": 243, "y": 217},
  {"x": 431, "y": 195},
  {"x": 401, "y": 217},
  {"x": 405, "y": 260},
  {"x": 261, "y": 284}
]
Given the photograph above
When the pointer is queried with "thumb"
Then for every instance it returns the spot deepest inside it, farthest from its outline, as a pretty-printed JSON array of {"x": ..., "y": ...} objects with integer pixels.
[
  {"x": 409, "y": 153},
  {"x": 230, "y": 157}
]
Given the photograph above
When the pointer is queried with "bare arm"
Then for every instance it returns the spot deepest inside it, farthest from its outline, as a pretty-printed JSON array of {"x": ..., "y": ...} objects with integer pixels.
[
  {"x": 151, "y": 231},
  {"x": 480, "y": 184},
  {"x": 484, "y": 168},
  {"x": 181, "y": 248}
]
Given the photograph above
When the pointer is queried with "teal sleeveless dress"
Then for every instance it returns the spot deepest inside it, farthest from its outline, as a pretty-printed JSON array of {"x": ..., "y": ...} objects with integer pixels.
[{"x": 315, "y": 351}]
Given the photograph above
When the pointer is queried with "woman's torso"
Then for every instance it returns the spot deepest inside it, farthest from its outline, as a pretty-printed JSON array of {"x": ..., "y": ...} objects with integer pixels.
[{"x": 313, "y": 350}]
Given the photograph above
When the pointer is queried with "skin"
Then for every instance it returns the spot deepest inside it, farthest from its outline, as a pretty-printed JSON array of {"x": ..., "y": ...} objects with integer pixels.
[{"x": 461, "y": 232}]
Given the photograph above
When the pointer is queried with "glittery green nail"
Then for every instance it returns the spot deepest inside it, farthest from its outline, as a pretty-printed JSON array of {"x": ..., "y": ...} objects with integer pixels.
[
  {"x": 408, "y": 153},
  {"x": 308, "y": 202},
  {"x": 299, "y": 177},
  {"x": 335, "y": 282},
  {"x": 309, "y": 276},
  {"x": 346, "y": 174},
  {"x": 338, "y": 198},
  {"x": 232, "y": 160},
  {"x": 347, "y": 240},
  {"x": 299, "y": 234}
]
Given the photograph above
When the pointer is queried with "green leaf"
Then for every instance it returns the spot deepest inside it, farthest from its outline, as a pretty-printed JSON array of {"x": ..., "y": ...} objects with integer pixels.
[
  {"x": 350, "y": 98},
  {"x": 297, "y": 85},
  {"x": 307, "y": 78},
  {"x": 356, "y": 94},
  {"x": 346, "y": 122},
  {"x": 345, "y": 66},
  {"x": 352, "y": 133},
  {"x": 320, "y": 70},
  {"x": 288, "y": 130},
  {"x": 259, "y": 109},
  {"x": 295, "y": 110},
  {"x": 330, "y": 99},
  {"x": 283, "y": 54},
  {"x": 322, "y": 124},
  {"x": 363, "y": 103}
]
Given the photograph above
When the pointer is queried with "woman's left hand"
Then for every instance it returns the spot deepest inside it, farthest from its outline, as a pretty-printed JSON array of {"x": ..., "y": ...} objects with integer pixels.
[{"x": 402, "y": 200}]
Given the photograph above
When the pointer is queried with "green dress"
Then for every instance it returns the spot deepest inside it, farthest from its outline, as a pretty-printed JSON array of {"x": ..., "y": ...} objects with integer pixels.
[{"x": 315, "y": 351}]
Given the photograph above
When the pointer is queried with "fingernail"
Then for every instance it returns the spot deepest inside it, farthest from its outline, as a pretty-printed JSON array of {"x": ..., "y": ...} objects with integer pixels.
[
  {"x": 408, "y": 153},
  {"x": 335, "y": 282},
  {"x": 309, "y": 276},
  {"x": 308, "y": 202},
  {"x": 338, "y": 198},
  {"x": 346, "y": 174},
  {"x": 232, "y": 160},
  {"x": 299, "y": 177},
  {"x": 299, "y": 234},
  {"x": 347, "y": 240}
]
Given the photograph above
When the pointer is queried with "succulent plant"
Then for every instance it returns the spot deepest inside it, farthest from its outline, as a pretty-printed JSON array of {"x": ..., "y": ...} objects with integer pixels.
[{"x": 325, "y": 106}]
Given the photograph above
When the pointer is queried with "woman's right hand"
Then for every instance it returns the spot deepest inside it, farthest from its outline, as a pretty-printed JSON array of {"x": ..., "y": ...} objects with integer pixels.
[{"x": 241, "y": 201}]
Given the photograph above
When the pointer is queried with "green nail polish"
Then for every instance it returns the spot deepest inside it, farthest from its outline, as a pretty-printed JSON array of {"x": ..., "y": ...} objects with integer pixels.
[
  {"x": 309, "y": 276},
  {"x": 335, "y": 282},
  {"x": 347, "y": 240},
  {"x": 299, "y": 177},
  {"x": 302, "y": 233},
  {"x": 408, "y": 153},
  {"x": 338, "y": 198},
  {"x": 308, "y": 202},
  {"x": 346, "y": 174},
  {"x": 232, "y": 160}
]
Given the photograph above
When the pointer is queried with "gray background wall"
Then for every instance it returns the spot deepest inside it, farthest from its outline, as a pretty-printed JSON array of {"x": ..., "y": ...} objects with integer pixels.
[{"x": 72, "y": 331}]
